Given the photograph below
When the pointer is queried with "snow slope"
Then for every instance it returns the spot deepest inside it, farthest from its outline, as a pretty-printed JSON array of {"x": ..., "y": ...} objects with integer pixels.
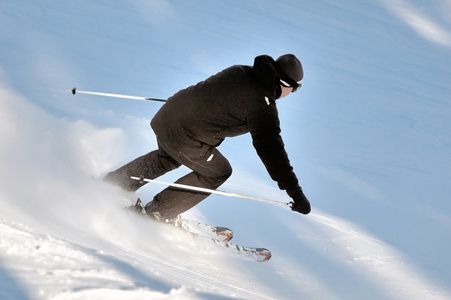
[{"x": 368, "y": 136}]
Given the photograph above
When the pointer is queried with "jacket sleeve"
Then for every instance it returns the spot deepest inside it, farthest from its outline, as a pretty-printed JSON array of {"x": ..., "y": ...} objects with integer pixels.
[{"x": 264, "y": 126}]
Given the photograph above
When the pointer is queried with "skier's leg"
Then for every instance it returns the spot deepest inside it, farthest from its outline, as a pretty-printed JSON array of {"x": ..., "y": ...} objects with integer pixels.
[
  {"x": 210, "y": 170},
  {"x": 150, "y": 165}
]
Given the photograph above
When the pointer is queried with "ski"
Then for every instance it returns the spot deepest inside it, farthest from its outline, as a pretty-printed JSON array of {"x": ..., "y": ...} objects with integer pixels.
[
  {"x": 219, "y": 235},
  {"x": 258, "y": 254},
  {"x": 222, "y": 234}
]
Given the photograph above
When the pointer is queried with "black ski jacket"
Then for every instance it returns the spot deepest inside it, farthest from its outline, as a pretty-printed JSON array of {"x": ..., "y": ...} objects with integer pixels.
[{"x": 237, "y": 100}]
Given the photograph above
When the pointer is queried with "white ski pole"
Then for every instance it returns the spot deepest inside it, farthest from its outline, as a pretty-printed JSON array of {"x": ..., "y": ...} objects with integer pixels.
[
  {"x": 74, "y": 91},
  {"x": 210, "y": 191}
]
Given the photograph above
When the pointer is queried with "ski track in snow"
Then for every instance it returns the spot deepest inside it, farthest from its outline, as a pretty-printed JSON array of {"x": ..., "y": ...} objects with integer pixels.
[{"x": 376, "y": 259}]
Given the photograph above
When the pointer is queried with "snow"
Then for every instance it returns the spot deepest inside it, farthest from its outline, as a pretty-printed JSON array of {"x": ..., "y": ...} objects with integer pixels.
[{"x": 367, "y": 134}]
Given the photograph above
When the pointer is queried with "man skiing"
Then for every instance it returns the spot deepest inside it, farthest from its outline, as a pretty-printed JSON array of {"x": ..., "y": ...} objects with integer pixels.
[{"x": 194, "y": 121}]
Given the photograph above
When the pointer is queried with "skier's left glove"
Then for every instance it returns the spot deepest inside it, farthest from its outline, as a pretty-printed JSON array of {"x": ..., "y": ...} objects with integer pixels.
[{"x": 300, "y": 203}]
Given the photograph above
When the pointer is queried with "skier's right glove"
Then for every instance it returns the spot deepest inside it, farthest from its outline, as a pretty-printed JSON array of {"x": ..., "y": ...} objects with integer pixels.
[{"x": 300, "y": 203}]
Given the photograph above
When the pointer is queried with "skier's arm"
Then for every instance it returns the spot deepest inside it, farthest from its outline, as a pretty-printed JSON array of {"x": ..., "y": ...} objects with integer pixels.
[{"x": 265, "y": 130}]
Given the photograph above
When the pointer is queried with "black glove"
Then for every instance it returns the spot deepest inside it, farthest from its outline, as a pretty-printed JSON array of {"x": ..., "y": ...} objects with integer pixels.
[{"x": 300, "y": 203}]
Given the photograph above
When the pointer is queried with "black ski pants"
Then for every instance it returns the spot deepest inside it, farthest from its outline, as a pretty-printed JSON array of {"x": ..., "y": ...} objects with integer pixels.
[{"x": 209, "y": 168}]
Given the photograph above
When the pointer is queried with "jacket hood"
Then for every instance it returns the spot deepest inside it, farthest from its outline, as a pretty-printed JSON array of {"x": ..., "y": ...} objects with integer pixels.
[{"x": 268, "y": 74}]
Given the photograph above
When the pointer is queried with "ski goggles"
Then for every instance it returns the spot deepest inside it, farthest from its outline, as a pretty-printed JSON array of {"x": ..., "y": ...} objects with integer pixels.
[{"x": 291, "y": 83}]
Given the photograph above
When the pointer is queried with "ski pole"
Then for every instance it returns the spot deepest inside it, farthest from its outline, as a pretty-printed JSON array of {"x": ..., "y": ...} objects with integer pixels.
[
  {"x": 210, "y": 191},
  {"x": 74, "y": 91}
]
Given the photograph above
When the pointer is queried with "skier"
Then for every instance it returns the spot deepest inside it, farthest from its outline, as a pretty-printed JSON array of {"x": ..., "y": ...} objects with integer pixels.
[{"x": 195, "y": 120}]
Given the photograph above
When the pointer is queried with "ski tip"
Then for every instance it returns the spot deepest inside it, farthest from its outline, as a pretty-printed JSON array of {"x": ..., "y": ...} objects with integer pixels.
[
  {"x": 74, "y": 91},
  {"x": 263, "y": 255},
  {"x": 225, "y": 233}
]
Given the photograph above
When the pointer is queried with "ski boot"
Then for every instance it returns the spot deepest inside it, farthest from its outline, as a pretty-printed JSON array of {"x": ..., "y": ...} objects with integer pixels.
[{"x": 139, "y": 209}]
